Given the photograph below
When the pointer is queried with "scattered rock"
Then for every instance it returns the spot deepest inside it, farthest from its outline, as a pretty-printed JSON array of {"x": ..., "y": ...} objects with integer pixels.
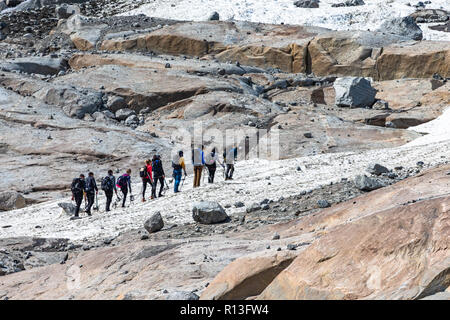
[
  {"x": 124, "y": 114},
  {"x": 349, "y": 3},
  {"x": 214, "y": 16},
  {"x": 208, "y": 212},
  {"x": 364, "y": 183},
  {"x": 68, "y": 208},
  {"x": 377, "y": 169},
  {"x": 405, "y": 27},
  {"x": 182, "y": 295},
  {"x": 307, "y": 3},
  {"x": 323, "y": 203},
  {"x": 155, "y": 223},
  {"x": 11, "y": 200},
  {"x": 116, "y": 103}
]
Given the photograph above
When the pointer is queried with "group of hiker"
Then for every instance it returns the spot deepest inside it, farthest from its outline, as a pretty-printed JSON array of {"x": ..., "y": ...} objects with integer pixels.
[{"x": 151, "y": 173}]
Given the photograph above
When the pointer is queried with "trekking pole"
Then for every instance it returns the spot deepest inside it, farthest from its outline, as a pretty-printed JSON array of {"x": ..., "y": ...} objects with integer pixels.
[{"x": 96, "y": 208}]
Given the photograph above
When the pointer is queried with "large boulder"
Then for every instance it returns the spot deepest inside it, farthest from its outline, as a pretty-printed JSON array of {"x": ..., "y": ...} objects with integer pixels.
[
  {"x": 11, "y": 200},
  {"x": 364, "y": 183},
  {"x": 354, "y": 92},
  {"x": 75, "y": 102},
  {"x": 116, "y": 103},
  {"x": 208, "y": 212},
  {"x": 405, "y": 27},
  {"x": 37, "y": 65},
  {"x": 154, "y": 223},
  {"x": 68, "y": 208}
]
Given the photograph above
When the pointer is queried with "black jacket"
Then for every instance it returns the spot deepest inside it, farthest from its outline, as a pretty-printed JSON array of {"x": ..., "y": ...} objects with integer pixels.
[
  {"x": 78, "y": 186},
  {"x": 157, "y": 169},
  {"x": 91, "y": 185}
]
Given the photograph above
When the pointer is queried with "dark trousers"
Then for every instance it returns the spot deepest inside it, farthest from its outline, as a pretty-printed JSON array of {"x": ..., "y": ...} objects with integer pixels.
[
  {"x": 212, "y": 172},
  {"x": 90, "y": 198},
  {"x": 197, "y": 175},
  {"x": 124, "y": 193},
  {"x": 155, "y": 183},
  {"x": 177, "y": 176},
  {"x": 144, "y": 186},
  {"x": 78, "y": 201},
  {"x": 109, "y": 196},
  {"x": 229, "y": 172}
]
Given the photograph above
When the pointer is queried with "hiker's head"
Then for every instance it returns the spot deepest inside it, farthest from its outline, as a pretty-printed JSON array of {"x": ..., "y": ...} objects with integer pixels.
[
  {"x": 81, "y": 176},
  {"x": 203, "y": 147},
  {"x": 180, "y": 153},
  {"x": 129, "y": 171},
  {"x": 154, "y": 157},
  {"x": 158, "y": 157},
  {"x": 91, "y": 174},
  {"x": 148, "y": 161},
  {"x": 213, "y": 150},
  {"x": 110, "y": 172}
]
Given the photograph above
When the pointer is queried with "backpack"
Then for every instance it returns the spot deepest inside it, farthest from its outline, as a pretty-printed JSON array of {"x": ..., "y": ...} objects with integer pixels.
[
  {"x": 176, "y": 166},
  {"x": 143, "y": 172},
  {"x": 77, "y": 186},
  {"x": 122, "y": 182},
  {"x": 107, "y": 184}
]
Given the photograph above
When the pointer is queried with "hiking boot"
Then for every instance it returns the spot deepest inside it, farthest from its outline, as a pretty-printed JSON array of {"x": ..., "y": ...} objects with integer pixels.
[
  {"x": 75, "y": 218},
  {"x": 160, "y": 195},
  {"x": 143, "y": 199},
  {"x": 89, "y": 214}
]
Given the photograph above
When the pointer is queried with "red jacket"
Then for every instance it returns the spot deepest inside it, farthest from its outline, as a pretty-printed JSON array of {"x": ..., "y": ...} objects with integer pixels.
[{"x": 149, "y": 171}]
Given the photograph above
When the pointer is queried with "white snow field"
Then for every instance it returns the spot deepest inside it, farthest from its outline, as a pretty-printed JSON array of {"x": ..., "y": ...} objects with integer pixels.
[
  {"x": 366, "y": 17},
  {"x": 249, "y": 186}
]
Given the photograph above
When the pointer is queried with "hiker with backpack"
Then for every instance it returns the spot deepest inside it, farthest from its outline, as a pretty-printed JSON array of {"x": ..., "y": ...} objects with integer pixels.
[
  {"x": 109, "y": 187},
  {"x": 91, "y": 191},
  {"x": 78, "y": 186},
  {"x": 210, "y": 162},
  {"x": 198, "y": 161},
  {"x": 146, "y": 175},
  {"x": 229, "y": 157},
  {"x": 158, "y": 175},
  {"x": 178, "y": 165},
  {"x": 124, "y": 182}
]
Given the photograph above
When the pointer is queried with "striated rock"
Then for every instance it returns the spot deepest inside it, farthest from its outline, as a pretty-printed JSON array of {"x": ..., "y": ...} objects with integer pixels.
[
  {"x": 405, "y": 27},
  {"x": 11, "y": 200},
  {"x": 379, "y": 241},
  {"x": 208, "y": 212},
  {"x": 247, "y": 276},
  {"x": 354, "y": 92}
]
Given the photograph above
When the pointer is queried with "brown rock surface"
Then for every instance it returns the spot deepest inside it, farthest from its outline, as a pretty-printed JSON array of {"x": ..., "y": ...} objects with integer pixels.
[{"x": 389, "y": 244}]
